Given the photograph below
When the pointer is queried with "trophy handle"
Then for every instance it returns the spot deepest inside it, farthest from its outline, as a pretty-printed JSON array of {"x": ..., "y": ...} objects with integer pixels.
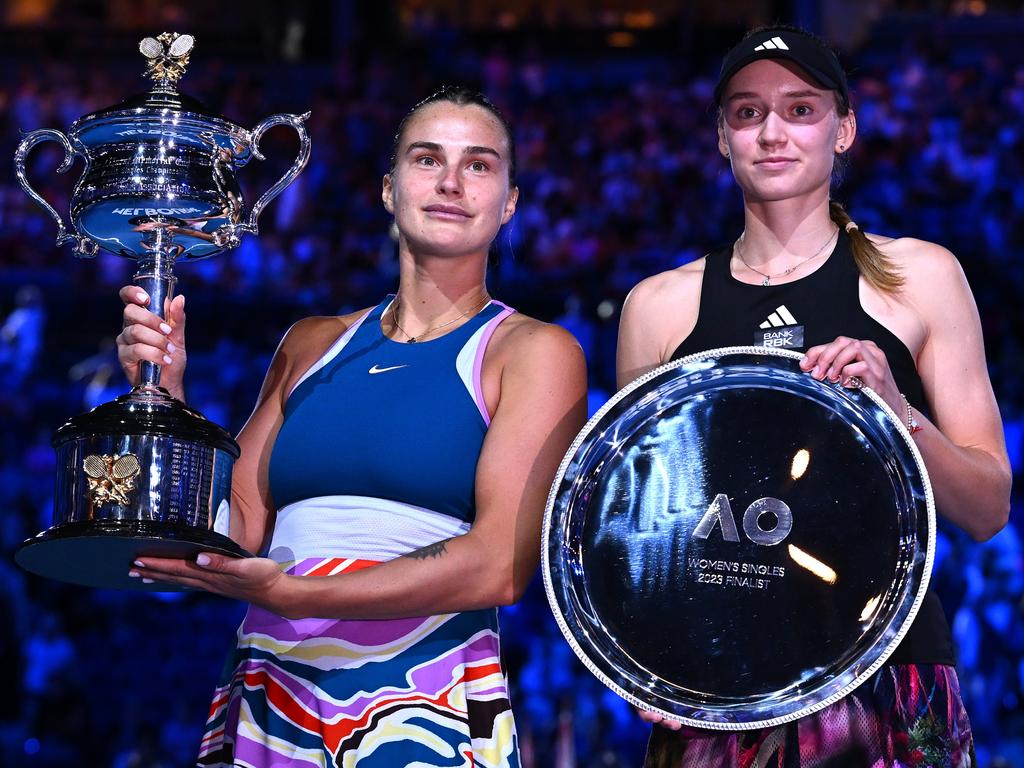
[
  {"x": 83, "y": 245},
  {"x": 298, "y": 123}
]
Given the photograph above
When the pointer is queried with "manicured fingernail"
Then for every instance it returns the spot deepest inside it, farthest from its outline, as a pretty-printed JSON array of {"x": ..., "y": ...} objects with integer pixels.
[
  {"x": 202, "y": 559},
  {"x": 170, "y": 346},
  {"x": 167, "y": 359},
  {"x": 141, "y": 296},
  {"x": 165, "y": 328},
  {"x": 134, "y": 574},
  {"x": 148, "y": 581},
  {"x": 815, "y": 370}
]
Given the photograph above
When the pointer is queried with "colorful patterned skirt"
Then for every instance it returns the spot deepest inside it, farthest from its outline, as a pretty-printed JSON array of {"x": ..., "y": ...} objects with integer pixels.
[
  {"x": 426, "y": 691},
  {"x": 904, "y": 716}
]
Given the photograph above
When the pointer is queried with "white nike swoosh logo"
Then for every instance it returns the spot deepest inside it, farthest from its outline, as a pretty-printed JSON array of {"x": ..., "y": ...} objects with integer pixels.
[{"x": 375, "y": 369}]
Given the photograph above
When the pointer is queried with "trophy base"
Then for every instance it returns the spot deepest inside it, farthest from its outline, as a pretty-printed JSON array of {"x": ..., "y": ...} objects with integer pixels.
[{"x": 99, "y": 553}]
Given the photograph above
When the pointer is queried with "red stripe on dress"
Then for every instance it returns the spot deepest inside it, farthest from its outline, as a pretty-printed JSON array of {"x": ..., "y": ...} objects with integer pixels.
[{"x": 333, "y": 734}]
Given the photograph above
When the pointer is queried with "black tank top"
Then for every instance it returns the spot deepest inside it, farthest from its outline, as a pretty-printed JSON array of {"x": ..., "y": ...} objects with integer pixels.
[{"x": 804, "y": 313}]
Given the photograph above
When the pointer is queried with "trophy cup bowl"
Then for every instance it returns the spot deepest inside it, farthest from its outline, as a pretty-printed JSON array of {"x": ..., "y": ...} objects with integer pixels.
[{"x": 145, "y": 475}]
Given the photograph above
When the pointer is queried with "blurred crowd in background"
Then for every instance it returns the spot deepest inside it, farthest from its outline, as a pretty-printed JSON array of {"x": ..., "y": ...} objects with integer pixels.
[{"x": 619, "y": 177}]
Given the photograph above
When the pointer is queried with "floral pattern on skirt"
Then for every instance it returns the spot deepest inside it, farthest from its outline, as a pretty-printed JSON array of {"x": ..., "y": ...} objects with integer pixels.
[{"x": 903, "y": 716}]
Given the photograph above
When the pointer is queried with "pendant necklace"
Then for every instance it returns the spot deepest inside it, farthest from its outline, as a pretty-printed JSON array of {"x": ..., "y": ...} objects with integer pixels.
[
  {"x": 413, "y": 339},
  {"x": 768, "y": 278}
]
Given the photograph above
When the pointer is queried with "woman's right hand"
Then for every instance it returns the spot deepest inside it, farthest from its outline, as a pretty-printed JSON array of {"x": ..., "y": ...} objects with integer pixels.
[
  {"x": 145, "y": 337},
  {"x": 656, "y": 719}
]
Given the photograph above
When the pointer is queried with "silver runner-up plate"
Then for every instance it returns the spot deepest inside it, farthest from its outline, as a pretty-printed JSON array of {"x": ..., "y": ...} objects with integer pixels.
[{"x": 733, "y": 544}]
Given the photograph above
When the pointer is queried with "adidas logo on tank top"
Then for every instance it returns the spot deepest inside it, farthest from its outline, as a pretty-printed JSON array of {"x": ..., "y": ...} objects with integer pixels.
[{"x": 781, "y": 329}]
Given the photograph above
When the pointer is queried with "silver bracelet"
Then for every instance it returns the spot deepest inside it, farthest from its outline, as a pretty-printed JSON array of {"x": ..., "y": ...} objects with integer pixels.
[{"x": 912, "y": 425}]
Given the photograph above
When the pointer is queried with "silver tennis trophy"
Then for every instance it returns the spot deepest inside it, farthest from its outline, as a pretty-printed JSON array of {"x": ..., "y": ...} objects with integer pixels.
[
  {"x": 734, "y": 544},
  {"x": 145, "y": 474}
]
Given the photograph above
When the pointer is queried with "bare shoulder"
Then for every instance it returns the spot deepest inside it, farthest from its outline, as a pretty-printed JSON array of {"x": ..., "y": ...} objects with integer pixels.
[
  {"x": 307, "y": 340},
  {"x": 668, "y": 289},
  {"x": 317, "y": 330},
  {"x": 931, "y": 272},
  {"x": 658, "y": 314},
  {"x": 919, "y": 258},
  {"x": 524, "y": 338}
]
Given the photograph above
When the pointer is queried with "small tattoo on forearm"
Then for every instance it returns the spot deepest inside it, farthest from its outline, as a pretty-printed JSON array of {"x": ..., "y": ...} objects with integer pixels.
[{"x": 436, "y": 549}]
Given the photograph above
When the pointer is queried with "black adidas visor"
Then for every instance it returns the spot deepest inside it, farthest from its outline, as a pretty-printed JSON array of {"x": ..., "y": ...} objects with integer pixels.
[{"x": 814, "y": 58}]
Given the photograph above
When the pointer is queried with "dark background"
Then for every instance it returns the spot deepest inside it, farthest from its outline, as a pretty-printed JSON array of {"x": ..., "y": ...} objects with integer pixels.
[{"x": 620, "y": 178}]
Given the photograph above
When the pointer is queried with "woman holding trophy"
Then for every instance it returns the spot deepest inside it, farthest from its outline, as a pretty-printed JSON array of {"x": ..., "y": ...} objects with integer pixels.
[
  {"x": 892, "y": 314},
  {"x": 394, "y": 470}
]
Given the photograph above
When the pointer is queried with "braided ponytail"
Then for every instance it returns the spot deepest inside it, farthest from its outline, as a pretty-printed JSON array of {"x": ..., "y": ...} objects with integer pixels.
[{"x": 874, "y": 265}]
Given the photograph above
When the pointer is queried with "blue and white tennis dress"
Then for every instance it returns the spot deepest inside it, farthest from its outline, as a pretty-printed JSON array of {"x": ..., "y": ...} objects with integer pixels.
[{"x": 376, "y": 457}]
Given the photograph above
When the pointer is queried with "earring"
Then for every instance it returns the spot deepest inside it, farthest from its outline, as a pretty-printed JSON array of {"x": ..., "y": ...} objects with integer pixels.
[
  {"x": 727, "y": 155},
  {"x": 842, "y": 147}
]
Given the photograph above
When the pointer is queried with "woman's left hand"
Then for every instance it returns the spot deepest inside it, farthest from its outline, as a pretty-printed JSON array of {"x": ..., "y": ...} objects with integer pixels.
[
  {"x": 855, "y": 363},
  {"x": 252, "y": 579}
]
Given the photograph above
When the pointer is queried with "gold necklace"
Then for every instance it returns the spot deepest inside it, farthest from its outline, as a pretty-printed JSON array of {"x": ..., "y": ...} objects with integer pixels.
[
  {"x": 413, "y": 339},
  {"x": 768, "y": 278}
]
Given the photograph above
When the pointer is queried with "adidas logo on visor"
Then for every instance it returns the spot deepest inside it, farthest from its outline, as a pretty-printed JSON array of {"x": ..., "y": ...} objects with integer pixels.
[{"x": 775, "y": 44}]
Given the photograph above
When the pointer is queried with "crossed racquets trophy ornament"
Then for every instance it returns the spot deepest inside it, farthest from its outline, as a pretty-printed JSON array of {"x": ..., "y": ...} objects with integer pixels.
[
  {"x": 728, "y": 541},
  {"x": 145, "y": 474}
]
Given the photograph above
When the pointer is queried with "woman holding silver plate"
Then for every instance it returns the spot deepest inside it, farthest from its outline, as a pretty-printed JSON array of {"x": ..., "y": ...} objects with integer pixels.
[
  {"x": 394, "y": 470},
  {"x": 892, "y": 314}
]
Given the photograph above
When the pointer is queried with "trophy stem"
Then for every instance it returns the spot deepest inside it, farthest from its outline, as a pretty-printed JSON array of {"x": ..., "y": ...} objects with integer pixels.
[{"x": 156, "y": 278}]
